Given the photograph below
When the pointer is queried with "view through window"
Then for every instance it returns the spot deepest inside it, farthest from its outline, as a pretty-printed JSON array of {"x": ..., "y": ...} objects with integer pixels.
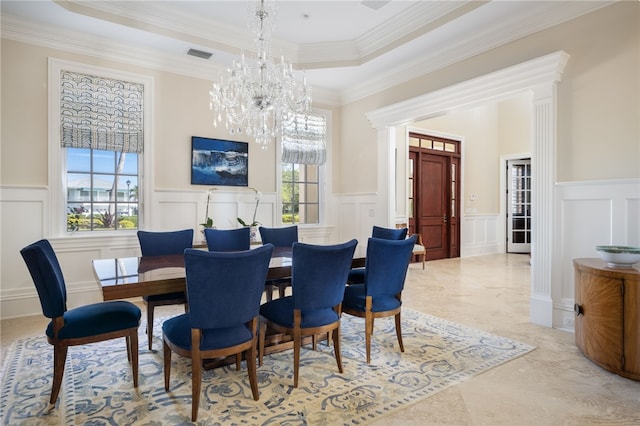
[
  {"x": 102, "y": 189},
  {"x": 300, "y": 193}
]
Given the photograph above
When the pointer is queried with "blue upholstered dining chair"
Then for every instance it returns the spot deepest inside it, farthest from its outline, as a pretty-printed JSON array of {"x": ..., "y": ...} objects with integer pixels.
[
  {"x": 158, "y": 244},
  {"x": 224, "y": 291},
  {"x": 318, "y": 277},
  {"x": 279, "y": 237},
  {"x": 356, "y": 275},
  {"x": 81, "y": 325},
  {"x": 228, "y": 239},
  {"x": 381, "y": 293}
]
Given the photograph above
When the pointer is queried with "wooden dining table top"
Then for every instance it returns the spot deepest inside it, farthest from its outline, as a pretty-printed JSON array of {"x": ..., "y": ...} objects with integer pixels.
[{"x": 126, "y": 277}]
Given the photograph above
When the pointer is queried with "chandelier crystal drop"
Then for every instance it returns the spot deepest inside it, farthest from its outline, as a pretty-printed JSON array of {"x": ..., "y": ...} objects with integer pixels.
[{"x": 260, "y": 96}]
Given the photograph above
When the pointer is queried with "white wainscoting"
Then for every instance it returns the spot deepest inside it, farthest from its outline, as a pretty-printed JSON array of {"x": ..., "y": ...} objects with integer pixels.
[
  {"x": 357, "y": 215},
  {"x": 479, "y": 235},
  {"x": 24, "y": 220},
  {"x": 589, "y": 214}
]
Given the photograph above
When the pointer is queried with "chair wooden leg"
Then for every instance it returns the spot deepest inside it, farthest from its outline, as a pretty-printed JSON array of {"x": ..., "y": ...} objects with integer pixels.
[
  {"x": 59, "y": 359},
  {"x": 399, "y": 332},
  {"x": 368, "y": 331},
  {"x": 297, "y": 343},
  {"x": 368, "y": 326},
  {"x": 132, "y": 346},
  {"x": 268, "y": 289},
  {"x": 150, "y": 325},
  {"x": 281, "y": 289},
  {"x": 336, "y": 348},
  {"x": 262, "y": 336},
  {"x": 128, "y": 348},
  {"x": 167, "y": 363},
  {"x": 238, "y": 361},
  {"x": 196, "y": 373},
  {"x": 251, "y": 367}
]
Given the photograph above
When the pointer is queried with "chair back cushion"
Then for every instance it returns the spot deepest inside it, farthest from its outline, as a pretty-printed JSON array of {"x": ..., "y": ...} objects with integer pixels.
[
  {"x": 389, "y": 233},
  {"x": 228, "y": 239},
  {"x": 224, "y": 288},
  {"x": 279, "y": 237},
  {"x": 386, "y": 265},
  {"x": 161, "y": 243},
  {"x": 319, "y": 274},
  {"x": 47, "y": 275}
]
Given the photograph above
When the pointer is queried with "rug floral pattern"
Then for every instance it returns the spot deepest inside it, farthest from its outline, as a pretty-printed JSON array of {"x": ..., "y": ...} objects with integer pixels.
[{"x": 98, "y": 389}]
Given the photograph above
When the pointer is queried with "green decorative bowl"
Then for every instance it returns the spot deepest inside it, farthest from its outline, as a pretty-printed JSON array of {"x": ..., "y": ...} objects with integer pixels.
[{"x": 619, "y": 256}]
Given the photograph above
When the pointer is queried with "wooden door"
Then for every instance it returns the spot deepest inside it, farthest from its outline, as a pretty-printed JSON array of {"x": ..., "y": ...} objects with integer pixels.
[
  {"x": 434, "y": 176},
  {"x": 432, "y": 211}
]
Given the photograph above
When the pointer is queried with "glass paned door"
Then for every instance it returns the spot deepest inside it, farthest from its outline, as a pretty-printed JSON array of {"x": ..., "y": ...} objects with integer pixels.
[{"x": 519, "y": 206}]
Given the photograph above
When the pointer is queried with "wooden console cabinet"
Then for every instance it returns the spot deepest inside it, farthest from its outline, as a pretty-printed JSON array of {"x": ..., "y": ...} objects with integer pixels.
[{"x": 607, "y": 316}]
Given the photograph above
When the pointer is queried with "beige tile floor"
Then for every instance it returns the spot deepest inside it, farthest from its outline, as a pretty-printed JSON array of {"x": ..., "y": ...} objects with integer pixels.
[{"x": 553, "y": 385}]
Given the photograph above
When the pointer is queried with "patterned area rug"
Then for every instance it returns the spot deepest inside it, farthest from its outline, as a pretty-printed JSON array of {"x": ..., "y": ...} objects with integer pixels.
[{"x": 98, "y": 390}]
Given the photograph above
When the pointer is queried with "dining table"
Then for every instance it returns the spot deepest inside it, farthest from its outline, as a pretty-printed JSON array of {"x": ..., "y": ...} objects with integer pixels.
[{"x": 128, "y": 277}]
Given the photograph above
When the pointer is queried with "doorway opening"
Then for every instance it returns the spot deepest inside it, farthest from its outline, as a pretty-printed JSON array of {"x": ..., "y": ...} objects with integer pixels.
[
  {"x": 434, "y": 194},
  {"x": 519, "y": 206}
]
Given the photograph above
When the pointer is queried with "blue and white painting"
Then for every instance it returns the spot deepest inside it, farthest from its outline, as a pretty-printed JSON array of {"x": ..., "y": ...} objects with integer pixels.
[{"x": 219, "y": 162}]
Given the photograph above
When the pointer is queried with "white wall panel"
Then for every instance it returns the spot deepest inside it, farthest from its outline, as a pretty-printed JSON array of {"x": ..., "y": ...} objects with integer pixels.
[
  {"x": 632, "y": 221},
  {"x": 358, "y": 214},
  {"x": 478, "y": 235},
  {"x": 590, "y": 214}
]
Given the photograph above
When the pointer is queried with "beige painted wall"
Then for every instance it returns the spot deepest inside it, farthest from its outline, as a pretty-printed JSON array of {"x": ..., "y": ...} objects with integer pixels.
[
  {"x": 488, "y": 132},
  {"x": 479, "y": 130},
  {"x": 181, "y": 110},
  {"x": 598, "y": 98},
  {"x": 515, "y": 125},
  {"x": 599, "y": 106}
]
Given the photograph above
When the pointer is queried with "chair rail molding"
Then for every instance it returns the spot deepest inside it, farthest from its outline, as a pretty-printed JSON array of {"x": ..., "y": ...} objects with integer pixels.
[{"x": 539, "y": 76}]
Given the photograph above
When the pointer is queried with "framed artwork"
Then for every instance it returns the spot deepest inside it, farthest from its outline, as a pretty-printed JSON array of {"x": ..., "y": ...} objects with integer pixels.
[{"x": 219, "y": 162}]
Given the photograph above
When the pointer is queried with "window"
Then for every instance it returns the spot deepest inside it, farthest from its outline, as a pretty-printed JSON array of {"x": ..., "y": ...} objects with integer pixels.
[
  {"x": 99, "y": 119},
  {"x": 303, "y": 157},
  {"x": 102, "y": 189},
  {"x": 300, "y": 193}
]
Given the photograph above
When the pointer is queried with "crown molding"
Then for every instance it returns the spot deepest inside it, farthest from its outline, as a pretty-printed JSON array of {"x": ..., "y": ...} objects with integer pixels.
[
  {"x": 165, "y": 20},
  {"x": 442, "y": 53},
  {"x": 543, "y": 71},
  {"x": 454, "y": 51},
  {"x": 24, "y": 31}
]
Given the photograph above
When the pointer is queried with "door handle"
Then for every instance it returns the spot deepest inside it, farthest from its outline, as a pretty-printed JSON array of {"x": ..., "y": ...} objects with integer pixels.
[{"x": 444, "y": 218}]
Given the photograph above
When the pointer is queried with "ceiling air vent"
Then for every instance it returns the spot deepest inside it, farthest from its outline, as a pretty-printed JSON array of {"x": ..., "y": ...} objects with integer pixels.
[
  {"x": 374, "y": 4},
  {"x": 199, "y": 53}
]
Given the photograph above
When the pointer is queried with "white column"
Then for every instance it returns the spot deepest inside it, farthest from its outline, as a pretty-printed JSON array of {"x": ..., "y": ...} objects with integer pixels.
[
  {"x": 385, "y": 204},
  {"x": 543, "y": 182}
]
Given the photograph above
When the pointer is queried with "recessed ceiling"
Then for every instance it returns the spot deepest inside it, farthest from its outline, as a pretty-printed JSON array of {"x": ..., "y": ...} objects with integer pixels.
[{"x": 348, "y": 48}]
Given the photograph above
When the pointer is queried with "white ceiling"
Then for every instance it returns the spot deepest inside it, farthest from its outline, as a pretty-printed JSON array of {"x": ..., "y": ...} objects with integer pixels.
[{"x": 348, "y": 49}]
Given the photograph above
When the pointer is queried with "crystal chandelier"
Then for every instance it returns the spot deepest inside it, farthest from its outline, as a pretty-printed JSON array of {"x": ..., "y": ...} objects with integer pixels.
[{"x": 260, "y": 97}]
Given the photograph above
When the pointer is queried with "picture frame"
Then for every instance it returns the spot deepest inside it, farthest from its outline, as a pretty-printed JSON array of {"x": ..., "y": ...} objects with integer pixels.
[{"x": 219, "y": 162}]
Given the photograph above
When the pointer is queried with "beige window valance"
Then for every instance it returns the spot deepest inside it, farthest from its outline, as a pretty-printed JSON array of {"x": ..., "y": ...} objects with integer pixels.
[
  {"x": 101, "y": 113},
  {"x": 303, "y": 140}
]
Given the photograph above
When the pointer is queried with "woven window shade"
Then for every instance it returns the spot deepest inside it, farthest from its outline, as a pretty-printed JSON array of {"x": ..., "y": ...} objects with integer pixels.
[
  {"x": 101, "y": 113},
  {"x": 303, "y": 141}
]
